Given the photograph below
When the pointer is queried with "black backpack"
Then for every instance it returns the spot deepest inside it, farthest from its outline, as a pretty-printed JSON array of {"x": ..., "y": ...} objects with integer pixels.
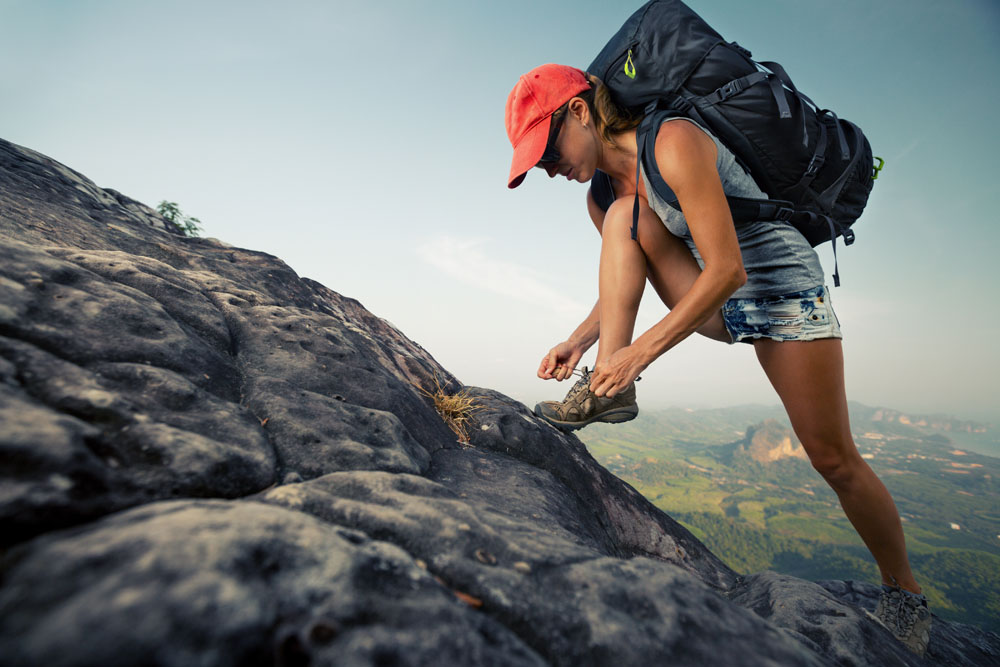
[{"x": 816, "y": 169}]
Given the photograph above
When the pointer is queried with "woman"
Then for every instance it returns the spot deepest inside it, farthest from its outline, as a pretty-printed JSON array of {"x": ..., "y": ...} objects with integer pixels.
[{"x": 761, "y": 283}]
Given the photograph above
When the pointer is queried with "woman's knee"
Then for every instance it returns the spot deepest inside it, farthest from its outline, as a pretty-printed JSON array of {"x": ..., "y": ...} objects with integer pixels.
[
  {"x": 620, "y": 218},
  {"x": 838, "y": 463}
]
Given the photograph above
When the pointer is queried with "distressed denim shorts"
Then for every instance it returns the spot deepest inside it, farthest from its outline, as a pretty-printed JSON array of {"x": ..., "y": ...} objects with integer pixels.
[{"x": 806, "y": 315}]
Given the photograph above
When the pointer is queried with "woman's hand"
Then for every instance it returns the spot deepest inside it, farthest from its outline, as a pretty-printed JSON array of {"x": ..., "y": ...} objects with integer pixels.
[
  {"x": 619, "y": 371},
  {"x": 560, "y": 361}
]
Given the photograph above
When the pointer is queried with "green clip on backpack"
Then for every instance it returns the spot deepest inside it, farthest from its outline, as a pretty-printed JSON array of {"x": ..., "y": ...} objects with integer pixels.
[{"x": 816, "y": 169}]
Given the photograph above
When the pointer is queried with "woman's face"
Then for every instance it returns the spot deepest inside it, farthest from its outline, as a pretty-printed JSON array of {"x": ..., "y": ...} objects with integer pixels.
[{"x": 574, "y": 143}]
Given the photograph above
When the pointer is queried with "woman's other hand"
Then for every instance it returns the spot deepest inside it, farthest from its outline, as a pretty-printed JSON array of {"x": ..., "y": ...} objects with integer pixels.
[
  {"x": 560, "y": 361},
  {"x": 618, "y": 372}
]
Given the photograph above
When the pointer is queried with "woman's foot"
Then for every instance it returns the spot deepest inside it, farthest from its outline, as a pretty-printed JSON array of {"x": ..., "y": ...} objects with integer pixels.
[
  {"x": 906, "y": 616},
  {"x": 582, "y": 407}
]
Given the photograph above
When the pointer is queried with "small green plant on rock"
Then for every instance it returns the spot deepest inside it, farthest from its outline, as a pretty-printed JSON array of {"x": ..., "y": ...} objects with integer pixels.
[{"x": 185, "y": 224}]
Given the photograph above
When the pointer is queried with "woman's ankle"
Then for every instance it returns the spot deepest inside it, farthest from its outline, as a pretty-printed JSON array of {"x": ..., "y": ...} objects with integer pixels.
[{"x": 909, "y": 585}]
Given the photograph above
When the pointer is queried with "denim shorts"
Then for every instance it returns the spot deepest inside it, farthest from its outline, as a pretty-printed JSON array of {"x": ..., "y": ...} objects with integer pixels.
[{"x": 806, "y": 315}]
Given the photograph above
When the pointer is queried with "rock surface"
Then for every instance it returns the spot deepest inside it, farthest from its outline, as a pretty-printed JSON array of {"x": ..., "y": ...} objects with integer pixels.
[{"x": 207, "y": 460}]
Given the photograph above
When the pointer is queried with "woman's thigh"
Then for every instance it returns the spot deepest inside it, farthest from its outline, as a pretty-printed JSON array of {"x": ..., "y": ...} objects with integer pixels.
[
  {"x": 809, "y": 379},
  {"x": 670, "y": 266}
]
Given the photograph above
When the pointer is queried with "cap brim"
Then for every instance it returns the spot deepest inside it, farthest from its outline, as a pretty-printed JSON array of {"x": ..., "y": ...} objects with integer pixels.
[{"x": 529, "y": 151}]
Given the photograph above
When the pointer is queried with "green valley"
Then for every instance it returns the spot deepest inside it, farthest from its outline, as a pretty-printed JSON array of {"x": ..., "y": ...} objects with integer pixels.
[{"x": 738, "y": 479}]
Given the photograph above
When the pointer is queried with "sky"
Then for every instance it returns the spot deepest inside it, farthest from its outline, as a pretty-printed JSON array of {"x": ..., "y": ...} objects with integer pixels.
[{"x": 363, "y": 144}]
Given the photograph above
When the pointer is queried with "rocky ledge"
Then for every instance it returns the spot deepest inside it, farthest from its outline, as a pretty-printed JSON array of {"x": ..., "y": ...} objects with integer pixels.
[{"x": 208, "y": 460}]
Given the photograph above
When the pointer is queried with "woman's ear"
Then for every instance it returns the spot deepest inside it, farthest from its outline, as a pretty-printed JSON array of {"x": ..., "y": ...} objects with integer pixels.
[{"x": 578, "y": 107}]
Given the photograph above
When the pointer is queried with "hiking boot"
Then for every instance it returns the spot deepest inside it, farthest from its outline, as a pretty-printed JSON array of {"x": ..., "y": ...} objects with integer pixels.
[
  {"x": 581, "y": 407},
  {"x": 906, "y": 616}
]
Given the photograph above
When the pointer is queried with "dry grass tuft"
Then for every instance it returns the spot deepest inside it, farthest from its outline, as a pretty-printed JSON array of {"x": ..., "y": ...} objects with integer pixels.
[{"x": 455, "y": 409}]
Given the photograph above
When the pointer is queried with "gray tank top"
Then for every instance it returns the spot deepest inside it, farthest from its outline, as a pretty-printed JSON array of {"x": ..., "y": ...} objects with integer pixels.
[{"x": 777, "y": 258}]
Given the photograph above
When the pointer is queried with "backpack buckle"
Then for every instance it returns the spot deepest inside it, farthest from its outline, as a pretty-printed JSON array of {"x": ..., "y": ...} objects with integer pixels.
[
  {"x": 815, "y": 164},
  {"x": 784, "y": 214},
  {"x": 731, "y": 88}
]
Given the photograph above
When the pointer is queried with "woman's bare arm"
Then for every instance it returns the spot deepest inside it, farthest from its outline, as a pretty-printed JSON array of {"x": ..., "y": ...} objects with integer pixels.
[
  {"x": 686, "y": 157},
  {"x": 560, "y": 361}
]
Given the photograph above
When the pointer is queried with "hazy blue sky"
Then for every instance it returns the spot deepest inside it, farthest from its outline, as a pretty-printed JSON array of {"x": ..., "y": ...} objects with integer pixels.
[{"x": 363, "y": 143}]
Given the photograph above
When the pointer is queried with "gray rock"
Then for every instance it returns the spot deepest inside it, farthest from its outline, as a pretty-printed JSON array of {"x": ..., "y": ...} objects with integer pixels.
[
  {"x": 208, "y": 460},
  {"x": 531, "y": 565},
  {"x": 629, "y": 523},
  {"x": 826, "y": 624},
  {"x": 234, "y": 583}
]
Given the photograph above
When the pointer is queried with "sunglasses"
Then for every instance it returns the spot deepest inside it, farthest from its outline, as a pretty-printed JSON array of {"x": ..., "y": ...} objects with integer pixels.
[{"x": 551, "y": 153}]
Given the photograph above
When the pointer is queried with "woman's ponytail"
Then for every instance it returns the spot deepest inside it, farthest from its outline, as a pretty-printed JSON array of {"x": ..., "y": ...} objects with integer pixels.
[{"x": 610, "y": 118}]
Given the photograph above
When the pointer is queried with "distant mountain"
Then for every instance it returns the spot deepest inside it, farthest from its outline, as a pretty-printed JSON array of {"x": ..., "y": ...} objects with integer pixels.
[
  {"x": 771, "y": 441},
  {"x": 937, "y": 423},
  {"x": 764, "y": 443},
  {"x": 722, "y": 426},
  {"x": 891, "y": 423}
]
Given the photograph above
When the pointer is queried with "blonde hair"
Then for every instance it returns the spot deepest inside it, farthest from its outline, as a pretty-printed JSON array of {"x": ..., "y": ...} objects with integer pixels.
[{"x": 609, "y": 118}]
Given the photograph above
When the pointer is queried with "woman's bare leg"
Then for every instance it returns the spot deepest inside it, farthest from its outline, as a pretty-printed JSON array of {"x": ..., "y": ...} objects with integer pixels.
[
  {"x": 809, "y": 378},
  {"x": 625, "y": 266}
]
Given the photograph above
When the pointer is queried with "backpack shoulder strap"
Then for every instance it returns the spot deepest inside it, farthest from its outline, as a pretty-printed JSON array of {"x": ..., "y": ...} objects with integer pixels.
[{"x": 646, "y": 141}]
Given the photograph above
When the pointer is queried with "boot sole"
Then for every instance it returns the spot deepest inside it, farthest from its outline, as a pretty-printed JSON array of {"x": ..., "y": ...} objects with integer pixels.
[{"x": 611, "y": 417}]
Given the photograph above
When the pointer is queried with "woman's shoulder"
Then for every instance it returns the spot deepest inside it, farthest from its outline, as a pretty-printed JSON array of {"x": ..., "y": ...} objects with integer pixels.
[
  {"x": 684, "y": 138},
  {"x": 673, "y": 147},
  {"x": 684, "y": 151}
]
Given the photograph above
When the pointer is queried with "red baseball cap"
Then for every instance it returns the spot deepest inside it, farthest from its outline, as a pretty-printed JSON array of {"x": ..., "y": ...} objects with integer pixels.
[{"x": 537, "y": 95}]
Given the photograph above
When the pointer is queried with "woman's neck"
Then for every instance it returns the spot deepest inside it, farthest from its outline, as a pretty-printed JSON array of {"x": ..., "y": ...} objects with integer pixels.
[{"x": 618, "y": 161}]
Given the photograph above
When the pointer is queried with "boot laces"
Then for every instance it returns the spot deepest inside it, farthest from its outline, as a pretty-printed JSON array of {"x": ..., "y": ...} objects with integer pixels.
[
  {"x": 902, "y": 614},
  {"x": 583, "y": 384}
]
